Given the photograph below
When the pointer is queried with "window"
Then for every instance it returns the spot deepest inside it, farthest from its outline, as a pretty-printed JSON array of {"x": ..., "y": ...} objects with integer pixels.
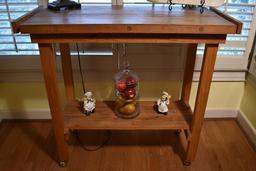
[
  {"x": 89, "y": 1},
  {"x": 20, "y": 44},
  {"x": 135, "y": 1},
  {"x": 233, "y": 55},
  {"x": 15, "y": 44},
  {"x": 94, "y": 1},
  {"x": 24, "y": 65},
  {"x": 236, "y": 45}
]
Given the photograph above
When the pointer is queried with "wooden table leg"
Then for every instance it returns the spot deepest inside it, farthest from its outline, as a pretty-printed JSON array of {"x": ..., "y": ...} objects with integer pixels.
[
  {"x": 210, "y": 53},
  {"x": 49, "y": 70},
  {"x": 188, "y": 73},
  {"x": 67, "y": 71}
]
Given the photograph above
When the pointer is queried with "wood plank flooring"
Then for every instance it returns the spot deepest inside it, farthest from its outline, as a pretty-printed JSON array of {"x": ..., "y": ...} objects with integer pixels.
[{"x": 30, "y": 146}]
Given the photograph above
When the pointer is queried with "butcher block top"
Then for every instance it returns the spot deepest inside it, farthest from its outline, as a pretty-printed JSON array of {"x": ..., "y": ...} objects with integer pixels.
[{"x": 127, "y": 19}]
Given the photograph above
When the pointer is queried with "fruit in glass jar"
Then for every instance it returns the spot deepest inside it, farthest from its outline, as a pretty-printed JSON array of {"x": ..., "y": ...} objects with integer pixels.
[
  {"x": 120, "y": 101},
  {"x": 130, "y": 93},
  {"x": 128, "y": 109},
  {"x": 120, "y": 85},
  {"x": 131, "y": 82}
]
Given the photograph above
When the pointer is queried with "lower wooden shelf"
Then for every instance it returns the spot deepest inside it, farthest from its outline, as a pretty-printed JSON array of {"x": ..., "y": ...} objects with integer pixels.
[{"x": 104, "y": 118}]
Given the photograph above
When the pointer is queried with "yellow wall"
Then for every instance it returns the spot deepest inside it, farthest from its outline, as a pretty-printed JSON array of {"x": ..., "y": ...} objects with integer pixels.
[
  {"x": 248, "y": 103},
  {"x": 31, "y": 96},
  {"x": 223, "y": 95}
]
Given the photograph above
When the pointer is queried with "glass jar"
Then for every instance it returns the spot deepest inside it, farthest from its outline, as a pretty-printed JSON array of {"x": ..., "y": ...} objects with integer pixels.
[{"x": 127, "y": 94}]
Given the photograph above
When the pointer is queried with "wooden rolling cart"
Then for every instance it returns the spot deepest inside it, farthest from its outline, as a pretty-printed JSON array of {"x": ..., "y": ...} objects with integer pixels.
[{"x": 127, "y": 24}]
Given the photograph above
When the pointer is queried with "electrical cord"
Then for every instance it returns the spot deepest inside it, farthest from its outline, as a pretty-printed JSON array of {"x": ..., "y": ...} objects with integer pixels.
[
  {"x": 96, "y": 148},
  {"x": 80, "y": 68},
  {"x": 76, "y": 131}
]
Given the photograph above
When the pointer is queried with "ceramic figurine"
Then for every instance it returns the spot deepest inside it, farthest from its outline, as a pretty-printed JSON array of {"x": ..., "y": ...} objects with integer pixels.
[
  {"x": 163, "y": 102},
  {"x": 89, "y": 103}
]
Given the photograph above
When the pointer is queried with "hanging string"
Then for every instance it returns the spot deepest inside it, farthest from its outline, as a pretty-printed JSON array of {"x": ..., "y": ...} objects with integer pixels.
[
  {"x": 125, "y": 61},
  {"x": 124, "y": 58},
  {"x": 118, "y": 56}
]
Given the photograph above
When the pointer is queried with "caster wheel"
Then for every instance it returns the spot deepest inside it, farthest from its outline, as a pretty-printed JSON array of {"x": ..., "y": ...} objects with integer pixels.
[
  {"x": 186, "y": 163},
  {"x": 62, "y": 164}
]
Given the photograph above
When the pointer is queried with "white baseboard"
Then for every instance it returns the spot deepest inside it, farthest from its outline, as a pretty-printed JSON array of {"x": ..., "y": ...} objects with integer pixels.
[
  {"x": 223, "y": 76},
  {"x": 45, "y": 114},
  {"x": 247, "y": 127},
  {"x": 221, "y": 113}
]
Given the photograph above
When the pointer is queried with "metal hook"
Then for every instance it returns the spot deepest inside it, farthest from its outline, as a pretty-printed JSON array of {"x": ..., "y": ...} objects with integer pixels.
[
  {"x": 170, "y": 5},
  {"x": 202, "y": 2}
]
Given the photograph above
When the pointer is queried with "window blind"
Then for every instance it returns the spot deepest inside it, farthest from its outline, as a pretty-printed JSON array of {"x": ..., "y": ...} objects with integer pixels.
[
  {"x": 89, "y": 1},
  {"x": 94, "y": 1},
  {"x": 237, "y": 45},
  {"x": 135, "y": 1},
  {"x": 20, "y": 44},
  {"x": 233, "y": 55},
  {"x": 15, "y": 44}
]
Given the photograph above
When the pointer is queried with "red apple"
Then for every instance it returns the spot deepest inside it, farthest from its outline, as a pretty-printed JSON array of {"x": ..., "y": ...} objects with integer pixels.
[
  {"x": 131, "y": 82},
  {"x": 130, "y": 93},
  {"x": 120, "y": 85}
]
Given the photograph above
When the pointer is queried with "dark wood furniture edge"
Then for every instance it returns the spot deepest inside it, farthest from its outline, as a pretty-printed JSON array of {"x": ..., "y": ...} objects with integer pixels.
[
  {"x": 128, "y": 38},
  {"x": 238, "y": 23},
  {"x": 16, "y": 23}
]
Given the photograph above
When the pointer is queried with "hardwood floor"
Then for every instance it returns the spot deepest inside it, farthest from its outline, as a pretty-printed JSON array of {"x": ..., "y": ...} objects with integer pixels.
[{"x": 29, "y": 145}]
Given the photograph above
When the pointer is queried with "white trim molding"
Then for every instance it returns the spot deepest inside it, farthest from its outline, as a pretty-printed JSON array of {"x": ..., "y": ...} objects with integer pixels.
[
  {"x": 247, "y": 127},
  {"x": 220, "y": 113},
  {"x": 223, "y": 76}
]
